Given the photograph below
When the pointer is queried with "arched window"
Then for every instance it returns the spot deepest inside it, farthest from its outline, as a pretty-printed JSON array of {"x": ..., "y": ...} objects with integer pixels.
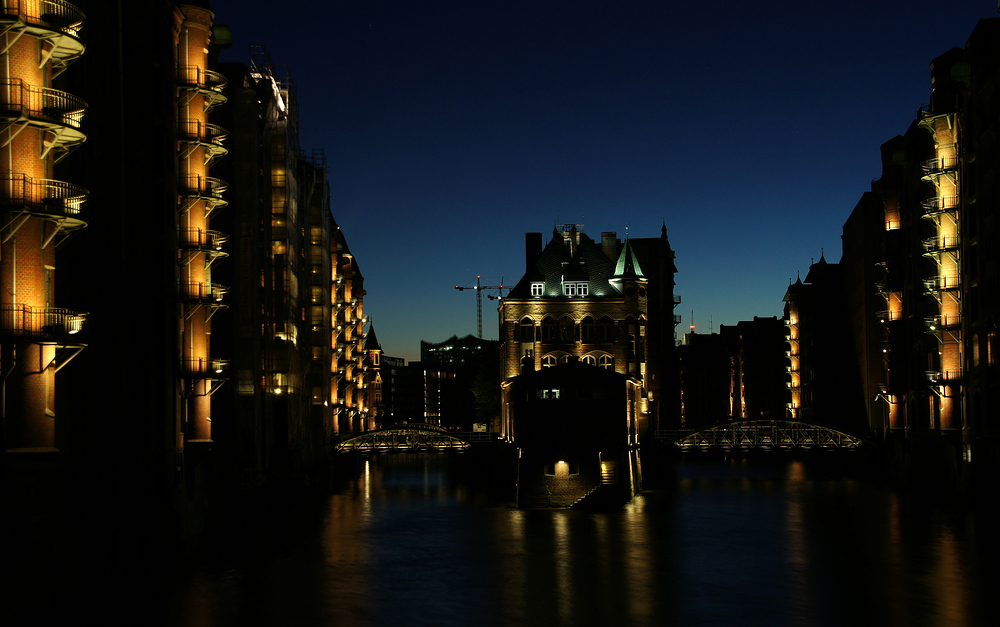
[
  {"x": 590, "y": 360},
  {"x": 548, "y": 329},
  {"x": 588, "y": 330},
  {"x": 548, "y": 361},
  {"x": 526, "y": 330},
  {"x": 564, "y": 359},
  {"x": 607, "y": 362},
  {"x": 566, "y": 328},
  {"x": 605, "y": 329}
]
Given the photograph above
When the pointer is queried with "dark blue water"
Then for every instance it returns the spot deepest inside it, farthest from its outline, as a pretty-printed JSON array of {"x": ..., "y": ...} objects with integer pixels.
[{"x": 729, "y": 542}]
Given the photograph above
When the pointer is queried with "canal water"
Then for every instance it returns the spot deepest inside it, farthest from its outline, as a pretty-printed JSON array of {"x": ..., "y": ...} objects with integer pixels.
[{"x": 404, "y": 540}]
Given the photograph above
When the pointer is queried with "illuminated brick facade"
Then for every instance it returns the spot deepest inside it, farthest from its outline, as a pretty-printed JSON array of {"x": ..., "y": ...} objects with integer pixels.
[
  {"x": 40, "y": 126},
  {"x": 939, "y": 264}
]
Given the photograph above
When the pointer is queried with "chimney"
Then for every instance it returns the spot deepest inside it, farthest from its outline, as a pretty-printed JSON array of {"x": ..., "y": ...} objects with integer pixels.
[
  {"x": 609, "y": 244},
  {"x": 532, "y": 250}
]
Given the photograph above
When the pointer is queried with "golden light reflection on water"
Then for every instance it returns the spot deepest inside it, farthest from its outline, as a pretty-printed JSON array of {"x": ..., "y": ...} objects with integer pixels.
[
  {"x": 563, "y": 560},
  {"x": 726, "y": 542}
]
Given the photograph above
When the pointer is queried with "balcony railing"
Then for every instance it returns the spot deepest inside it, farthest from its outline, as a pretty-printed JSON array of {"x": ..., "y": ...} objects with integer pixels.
[
  {"x": 942, "y": 283},
  {"x": 204, "y": 187},
  {"x": 203, "y": 366},
  {"x": 194, "y": 76},
  {"x": 203, "y": 239},
  {"x": 887, "y": 315},
  {"x": 941, "y": 243},
  {"x": 43, "y": 195},
  {"x": 939, "y": 164},
  {"x": 943, "y": 377},
  {"x": 202, "y": 132},
  {"x": 56, "y": 15},
  {"x": 42, "y": 323},
  {"x": 41, "y": 103},
  {"x": 204, "y": 292},
  {"x": 938, "y": 204},
  {"x": 935, "y": 323}
]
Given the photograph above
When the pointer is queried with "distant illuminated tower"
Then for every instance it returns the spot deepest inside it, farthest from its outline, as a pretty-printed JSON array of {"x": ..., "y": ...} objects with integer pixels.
[
  {"x": 348, "y": 387},
  {"x": 41, "y": 125}
]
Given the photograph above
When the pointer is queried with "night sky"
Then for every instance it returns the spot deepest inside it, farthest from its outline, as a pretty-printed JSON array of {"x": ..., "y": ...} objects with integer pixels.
[{"x": 453, "y": 128}]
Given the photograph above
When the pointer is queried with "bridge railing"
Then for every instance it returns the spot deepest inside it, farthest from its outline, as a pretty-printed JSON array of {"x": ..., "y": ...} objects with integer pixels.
[{"x": 762, "y": 435}]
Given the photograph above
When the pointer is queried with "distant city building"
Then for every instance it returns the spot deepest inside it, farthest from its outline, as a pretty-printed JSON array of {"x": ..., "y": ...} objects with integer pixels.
[
  {"x": 736, "y": 374},
  {"x": 822, "y": 370},
  {"x": 462, "y": 354}
]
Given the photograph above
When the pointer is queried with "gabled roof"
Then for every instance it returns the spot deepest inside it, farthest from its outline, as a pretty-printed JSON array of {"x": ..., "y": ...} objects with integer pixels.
[{"x": 558, "y": 262}]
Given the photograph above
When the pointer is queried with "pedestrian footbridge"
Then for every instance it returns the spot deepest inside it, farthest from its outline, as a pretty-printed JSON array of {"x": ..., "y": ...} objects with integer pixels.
[
  {"x": 745, "y": 435},
  {"x": 402, "y": 438}
]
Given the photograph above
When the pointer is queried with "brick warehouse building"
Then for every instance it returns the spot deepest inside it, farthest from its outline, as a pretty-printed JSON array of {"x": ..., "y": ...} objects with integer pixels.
[
  {"x": 42, "y": 125},
  {"x": 200, "y": 352},
  {"x": 580, "y": 300},
  {"x": 937, "y": 256}
]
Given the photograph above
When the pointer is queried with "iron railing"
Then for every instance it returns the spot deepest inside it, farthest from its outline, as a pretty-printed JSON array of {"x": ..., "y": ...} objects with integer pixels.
[
  {"x": 205, "y": 292},
  {"x": 940, "y": 283},
  {"x": 51, "y": 323},
  {"x": 765, "y": 434},
  {"x": 57, "y": 15},
  {"x": 939, "y": 164},
  {"x": 203, "y": 239},
  {"x": 44, "y": 194},
  {"x": 203, "y": 186},
  {"x": 41, "y": 103},
  {"x": 888, "y": 315},
  {"x": 937, "y": 204},
  {"x": 194, "y": 76},
  {"x": 940, "y": 243},
  {"x": 941, "y": 322},
  {"x": 196, "y": 130},
  {"x": 204, "y": 366},
  {"x": 943, "y": 377}
]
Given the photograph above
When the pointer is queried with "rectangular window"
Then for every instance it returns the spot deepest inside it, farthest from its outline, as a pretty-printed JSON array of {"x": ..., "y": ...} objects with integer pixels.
[
  {"x": 536, "y": 289},
  {"x": 576, "y": 288}
]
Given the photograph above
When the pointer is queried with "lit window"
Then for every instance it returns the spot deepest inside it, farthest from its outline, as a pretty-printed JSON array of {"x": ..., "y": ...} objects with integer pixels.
[
  {"x": 576, "y": 288},
  {"x": 548, "y": 361},
  {"x": 590, "y": 360},
  {"x": 536, "y": 289},
  {"x": 607, "y": 362}
]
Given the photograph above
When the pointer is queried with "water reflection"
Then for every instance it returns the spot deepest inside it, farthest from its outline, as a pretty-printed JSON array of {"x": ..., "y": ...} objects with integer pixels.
[{"x": 732, "y": 542}]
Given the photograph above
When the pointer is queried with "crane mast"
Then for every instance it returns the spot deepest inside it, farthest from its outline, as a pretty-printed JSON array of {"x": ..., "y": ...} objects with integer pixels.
[{"x": 479, "y": 287}]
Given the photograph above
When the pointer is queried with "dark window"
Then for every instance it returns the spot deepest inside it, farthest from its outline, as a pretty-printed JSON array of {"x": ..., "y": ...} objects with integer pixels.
[
  {"x": 526, "y": 330},
  {"x": 605, "y": 329},
  {"x": 548, "y": 330},
  {"x": 566, "y": 325}
]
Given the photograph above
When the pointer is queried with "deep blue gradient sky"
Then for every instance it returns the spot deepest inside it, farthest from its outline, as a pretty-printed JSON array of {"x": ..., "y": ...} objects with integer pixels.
[{"x": 453, "y": 128}]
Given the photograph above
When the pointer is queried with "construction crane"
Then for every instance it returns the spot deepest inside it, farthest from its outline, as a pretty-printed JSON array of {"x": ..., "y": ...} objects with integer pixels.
[{"x": 479, "y": 287}]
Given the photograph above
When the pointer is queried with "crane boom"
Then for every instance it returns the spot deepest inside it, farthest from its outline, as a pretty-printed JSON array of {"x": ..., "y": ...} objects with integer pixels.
[{"x": 479, "y": 287}]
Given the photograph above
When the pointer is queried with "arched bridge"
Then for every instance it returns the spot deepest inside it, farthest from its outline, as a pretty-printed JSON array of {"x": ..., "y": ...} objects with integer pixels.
[
  {"x": 402, "y": 438},
  {"x": 744, "y": 435}
]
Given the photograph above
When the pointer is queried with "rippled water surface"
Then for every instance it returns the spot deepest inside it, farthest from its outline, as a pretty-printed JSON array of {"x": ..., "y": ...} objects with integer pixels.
[{"x": 728, "y": 542}]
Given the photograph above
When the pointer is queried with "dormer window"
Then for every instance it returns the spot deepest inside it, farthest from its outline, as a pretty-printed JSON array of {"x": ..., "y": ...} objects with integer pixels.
[
  {"x": 537, "y": 289},
  {"x": 575, "y": 288}
]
